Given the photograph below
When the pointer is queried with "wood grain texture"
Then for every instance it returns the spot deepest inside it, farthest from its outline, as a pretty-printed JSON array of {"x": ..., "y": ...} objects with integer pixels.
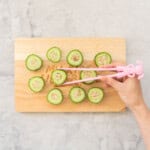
[{"x": 27, "y": 101}]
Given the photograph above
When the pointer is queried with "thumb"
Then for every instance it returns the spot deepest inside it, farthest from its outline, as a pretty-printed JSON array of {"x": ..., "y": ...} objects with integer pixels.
[{"x": 112, "y": 82}]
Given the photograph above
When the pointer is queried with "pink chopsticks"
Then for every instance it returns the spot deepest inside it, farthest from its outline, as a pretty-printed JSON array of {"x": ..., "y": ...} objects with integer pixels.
[{"x": 122, "y": 71}]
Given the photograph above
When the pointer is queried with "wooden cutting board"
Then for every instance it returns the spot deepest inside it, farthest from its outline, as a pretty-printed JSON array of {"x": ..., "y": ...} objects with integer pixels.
[{"x": 27, "y": 101}]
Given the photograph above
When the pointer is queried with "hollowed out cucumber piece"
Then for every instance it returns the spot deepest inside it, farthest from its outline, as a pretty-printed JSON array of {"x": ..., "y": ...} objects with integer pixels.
[
  {"x": 33, "y": 62},
  {"x": 36, "y": 84},
  {"x": 77, "y": 94},
  {"x": 95, "y": 95},
  {"x": 75, "y": 58},
  {"x": 102, "y": 58},
  {"x": 58, "y": 77},
  {"x": 87, "y": 74},
  {"x": 55, "y": 96}
]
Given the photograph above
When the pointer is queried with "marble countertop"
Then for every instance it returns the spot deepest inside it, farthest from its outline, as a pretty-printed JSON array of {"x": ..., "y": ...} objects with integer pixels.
[{"x": 71, "y": 18}]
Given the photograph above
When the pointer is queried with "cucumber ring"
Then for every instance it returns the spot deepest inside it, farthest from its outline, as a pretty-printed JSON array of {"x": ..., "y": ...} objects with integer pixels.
[
  {"x": 95, "y": 95},
  {"x": 77, "y": 94},
  {"x": 55, "y": 96},
  {"x": 102, "y": 58},
  {"x": 58, "y": 77},
  {"x": 33, "y": 62},
  {"x": 54, "y": 54},
  {"x": 75, "y": 58},
  {"x": 36, "y": 84},
  {"x": 88, "y": 74}
]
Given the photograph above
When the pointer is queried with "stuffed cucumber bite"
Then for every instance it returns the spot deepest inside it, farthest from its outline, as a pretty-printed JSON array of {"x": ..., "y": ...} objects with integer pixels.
[
  {"x": 33, "y": 62},
  {"x": 75, "y": 58},
  {"x": 55, "y": 96},
  {"x": 77, "y": 94},
  {"x": 95, "y": 95},
  {"x": 88, "y": 74},
  {"x": 36, "y": 84},
  {"x": 54, "y": 54},
  {"x": 102, "y": 58}
]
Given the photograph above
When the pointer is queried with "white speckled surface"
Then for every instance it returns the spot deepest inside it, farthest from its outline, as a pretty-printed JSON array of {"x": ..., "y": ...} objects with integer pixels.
[{"x": 71, "y": 18}]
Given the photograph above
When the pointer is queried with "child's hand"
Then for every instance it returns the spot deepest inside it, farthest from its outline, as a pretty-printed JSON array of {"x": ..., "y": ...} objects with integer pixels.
[{"x": 129, "y": 90}]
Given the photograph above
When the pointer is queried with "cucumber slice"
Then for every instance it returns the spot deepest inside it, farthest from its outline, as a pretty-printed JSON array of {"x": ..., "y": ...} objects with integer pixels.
[
  {"x": 33, "y": 62},
  {"x": 102, "y": 58},
  {"x": 54, "y": 54},
  {"x": 87, "y": 74},
  {"x": 58, "y": 77},
  {"x": 75, "y": 58},
  {"x": 95, "y": 95},
  {"x": 36, "y": 84},
  {"x": 77, "y": 94},
  {"x": 55, "y": 96}
]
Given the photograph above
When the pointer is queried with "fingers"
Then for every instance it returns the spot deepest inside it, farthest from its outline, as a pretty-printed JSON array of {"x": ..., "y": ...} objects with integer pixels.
[
  {"x": 115, "y": 83},
  {"x": 112, "y": 82}
]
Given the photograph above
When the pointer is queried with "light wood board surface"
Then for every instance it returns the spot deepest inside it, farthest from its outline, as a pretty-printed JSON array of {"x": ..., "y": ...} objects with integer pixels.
[{"x": 27, "y": 101}]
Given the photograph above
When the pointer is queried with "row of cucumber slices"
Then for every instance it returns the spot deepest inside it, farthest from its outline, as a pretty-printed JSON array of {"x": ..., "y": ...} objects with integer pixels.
[
  {"x": 58, "y": 77},
  {"x": 74, "y": 58},
  {"x": 76, "y": 94}
]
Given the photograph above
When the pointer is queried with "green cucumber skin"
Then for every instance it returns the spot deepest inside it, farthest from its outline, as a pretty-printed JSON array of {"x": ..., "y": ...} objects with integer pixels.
[
  {"x": 54, "y": 81},
  {"x": 31, "y": 56},
  {"x": 102, "y": 53},
  {"x": 71, "y": 97},
  {"x": 61, "y": 95},
  {"x": 31, "y": 79},
  {"x": 81, "y": 57},
  {"x": 59, "y": 52},
  {"x": 86, "y": 82},
  {"x": 101, "y": 98}
]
